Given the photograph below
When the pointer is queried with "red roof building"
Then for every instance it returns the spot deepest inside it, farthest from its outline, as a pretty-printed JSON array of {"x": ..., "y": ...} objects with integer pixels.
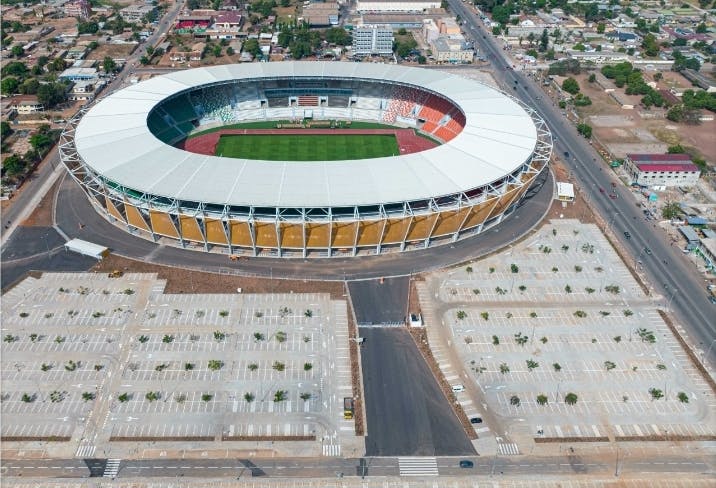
[{"x": 661, "y": 169}]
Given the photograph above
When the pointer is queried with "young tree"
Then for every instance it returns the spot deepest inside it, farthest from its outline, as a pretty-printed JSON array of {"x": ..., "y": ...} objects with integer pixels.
[{"x": 570, "y": 85}]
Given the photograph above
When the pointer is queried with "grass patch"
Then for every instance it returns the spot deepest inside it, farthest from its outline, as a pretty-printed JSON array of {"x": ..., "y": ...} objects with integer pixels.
[{"x": 290, "y": 147}]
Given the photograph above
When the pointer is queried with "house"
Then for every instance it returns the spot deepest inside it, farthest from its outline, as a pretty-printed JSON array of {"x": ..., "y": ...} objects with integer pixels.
[
  {"x": 396, "y": 5},
  {"x": 193, "y": 24},
  {"x": 623, "y": 37},
  {"x": 321, "y": 14},
  {"x": 661, "y": 169},
  {"x": 26, "y": 104},
  {"x": 77, "y": 8},
  {"x": 77, "y": 74},
  {"x": 85, "y": 90},
  {"x": 227, "y": 25}
]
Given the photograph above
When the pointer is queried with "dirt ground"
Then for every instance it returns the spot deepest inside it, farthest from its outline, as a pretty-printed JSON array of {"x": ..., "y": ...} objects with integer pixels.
[
  {"x": 42, "y": 215},
  {"x": 112, "y": 50}
]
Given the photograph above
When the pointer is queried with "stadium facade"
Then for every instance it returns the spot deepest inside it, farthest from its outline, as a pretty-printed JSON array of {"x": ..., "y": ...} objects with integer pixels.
[{"x": 122, "y": 153}]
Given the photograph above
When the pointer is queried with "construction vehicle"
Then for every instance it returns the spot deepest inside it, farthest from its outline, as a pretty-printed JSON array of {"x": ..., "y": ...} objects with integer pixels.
[{"x": 348, "y": 408}]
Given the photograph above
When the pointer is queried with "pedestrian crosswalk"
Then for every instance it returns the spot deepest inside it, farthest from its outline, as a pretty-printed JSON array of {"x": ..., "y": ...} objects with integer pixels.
[
  {"x": 507, "y": 449},
  {"x": 111, "y": 468},
  {"x": 418, "y": 466},
  {"x": 85, "y": 450},
  {"x": 332, "y": 450}
]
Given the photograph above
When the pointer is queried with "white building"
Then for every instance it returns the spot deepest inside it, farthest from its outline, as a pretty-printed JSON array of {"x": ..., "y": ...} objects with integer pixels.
[
  {"x": 133, "y": 13},
  {"x": 451, "y": 49},
  {"x": 372, "y": 39},
  {"x": 396, "y": 5},
  {"x": 661, "y": 169}
]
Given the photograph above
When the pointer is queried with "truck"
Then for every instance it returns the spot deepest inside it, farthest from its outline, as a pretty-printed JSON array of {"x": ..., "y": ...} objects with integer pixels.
[{"x": 348, "y": 408}]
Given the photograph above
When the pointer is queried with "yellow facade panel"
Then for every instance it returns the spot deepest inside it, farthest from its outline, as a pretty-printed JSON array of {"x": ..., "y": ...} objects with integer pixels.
[
  {"x": 292, "y": 235},
  {"x": 135, "y": 218},
  {"x": 395, "y": 230},
  {"x": 369, "y": 232},
  {"x": 162, "y": 224},
  {"x": 215, "y": 231},
  {"x": 190, "y": 229},
  {"x": 113, "y": 210},
  {"x": 449, "y": 222},
  {"x": 421, "y": 227},
  {"x": 240, "y": 233},
  {"x": 478, "y": 214},
  {"x": 503, "y": 202},
  {"x": 343, "y": 234},
  {"x": 266, "y": 234},
  {"x": 317, "y": 235}
]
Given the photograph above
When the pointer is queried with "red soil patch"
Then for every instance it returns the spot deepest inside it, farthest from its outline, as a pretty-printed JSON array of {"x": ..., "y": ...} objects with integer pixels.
[{"x": 408, "y": 141}]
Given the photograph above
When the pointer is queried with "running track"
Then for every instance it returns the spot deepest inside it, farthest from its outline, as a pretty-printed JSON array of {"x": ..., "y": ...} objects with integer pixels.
[{"x": 408, "y": 141}]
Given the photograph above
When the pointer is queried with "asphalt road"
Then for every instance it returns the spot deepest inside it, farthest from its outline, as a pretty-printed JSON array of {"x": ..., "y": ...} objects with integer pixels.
[
  {"x": 670, "y": 273},
  {"x": 380, "y": 303},
  {"x": 73, "y": 208},
  {"x": 407, "y": 413},
  {"x": 568, "y": 465}
]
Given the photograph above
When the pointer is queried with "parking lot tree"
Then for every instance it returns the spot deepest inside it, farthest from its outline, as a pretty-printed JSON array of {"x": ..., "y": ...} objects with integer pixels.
[
  {"x": 308, "y": 313},
  {"x": 168, "y": 338},
  {"x": 544, "y": 340},
  {"x": 9, "y": 338},
  {"x": 152, "y": 396},
  {"x": 181, "y": 398},
  {"x": 557, "y": 367},
  {"x": 522, "y": 288},
  {"x": 533, "y": 315},
  {"x": 531, "y": 364},
  {"x": 485, "y": 315},
  {"x": 34, "y": 337},
  {"x": 280, "y": 395},
  {"x": 515, "y": 400},
  {"x": 279, "y": 366},
  {"x": 656, "y": 393},
  {"x": 461, "y": 314},
  {"x": 514, "y": 268},
  {"x": 258, "y": 336},
  {"x": 28, "y": 398},
  {"x": 617, "y": 339},
  {"x": 683, "y": 397},
  {"x": 188, "y": 366},
  {"x": 504, "y": 368},
  {"x": 305, "y": 396},
  {"x": 71, "y": 365},
  {"x": 215, "y": 364},
  {"x": 206, "y": 397},
  {"x": 87, "y": 396},
  {"x": 98, "y": 367},
  {"x": 249, "y": 397},
  {"x": 219, "y": 336},
  {"x": 570, "y": 398},
  {"x": 495, "y": 340},
  {"x": 142, "y": 339},
  {"x": 307, "y": 366},
  {"x": 541, "y": 399},
  {"x": 280, "y": 336},
  {"x": 608, "y": 365}
]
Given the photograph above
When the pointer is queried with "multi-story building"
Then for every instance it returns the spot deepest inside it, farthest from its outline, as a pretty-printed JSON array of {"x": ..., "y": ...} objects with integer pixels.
[
  {"x": 77, "y": 8},
  {"x": 451, "y": 49},
  {"x": 661, "y": 169},
  {"x": 372, "y": 39},
  {"x": 396, "y": 5},
  {"x": 133, "y": 13}
]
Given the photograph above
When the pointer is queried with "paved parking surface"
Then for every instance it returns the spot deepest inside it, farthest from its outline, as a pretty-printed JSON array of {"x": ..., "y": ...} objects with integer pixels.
[
  {"x": 560, "y": 314},
  {"x": 103, "y": 360}
]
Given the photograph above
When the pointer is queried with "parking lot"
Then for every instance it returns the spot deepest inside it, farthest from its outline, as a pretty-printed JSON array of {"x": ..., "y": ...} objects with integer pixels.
[
  {"x": 115, "y": 364},
  {"x": 561, "y": 342}
]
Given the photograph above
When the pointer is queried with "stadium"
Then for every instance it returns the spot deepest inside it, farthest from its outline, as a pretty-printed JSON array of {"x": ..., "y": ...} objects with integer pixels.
[{"x": 306, "y": 159}]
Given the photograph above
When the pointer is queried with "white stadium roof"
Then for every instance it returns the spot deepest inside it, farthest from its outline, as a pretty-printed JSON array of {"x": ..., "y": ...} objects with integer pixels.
[{"x": 114, "y": 140}]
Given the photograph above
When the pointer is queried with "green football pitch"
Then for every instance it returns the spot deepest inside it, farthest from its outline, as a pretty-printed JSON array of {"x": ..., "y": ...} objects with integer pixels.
[{"x": 307, "y": 147}]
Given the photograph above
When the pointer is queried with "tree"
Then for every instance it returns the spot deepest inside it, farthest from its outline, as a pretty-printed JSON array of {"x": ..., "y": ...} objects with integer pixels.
[
  {"x": 585, "y": 130},
  {"x": 144, "y": 60},
  {"x": 108, "y": 64},
  {"x": 17, "y": 51},
  {"x": 9, "y": 85},
  {"x": 601, "y": 27},
  {"x": 501, "y": 14},
  {"x": 676, "y": 149},
  {"x": 544, "y": 41},
  {"x": 57, "y": 64},
  {"x": 229, "y": 51},
  {"x": 671, "y": 210},
  {"x": 5, "y": 129},
  {"x": 13, "y": 165},
  {"x": 650, "y": 46},
  {"x": 592, "y": 78},
  {"x": 570, "y": 85},
  {"x": 15, "y": 68},
  {"x": 216, "y": 50},
  {"x": 252, "y": 47},
  {"x": 340, "y": 37},
  {"x": 87, "y": 27},
  {"x": 570, "y": 399}
]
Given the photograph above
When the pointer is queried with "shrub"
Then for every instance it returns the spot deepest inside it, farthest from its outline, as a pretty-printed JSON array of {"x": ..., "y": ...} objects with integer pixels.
[
  {"x": 542, "y": 399},
  {"x": 554, "y": 269},
  {"x": 188, "y": 366},
  {"x": 543, "y": 340},
  {"x": 570, "y": 399},
  {"x": 307, "y": 366},
  {"x": 468, "y": 339},
  {"x": 608, "y": 365},
  {"x": 522, "y": 288},
  {"x": 532, "y": 364},
  {"x": 46, "y": 367},
  {"x": 508, "y": 315},
  {"x": 249, "y": 397},
  {"x": 661, "y": 367},
  {"x": 533, "y": 315},
  {"x": 224, "y": 313},
  {"x": 589, "y": 290},
  {"x": 580, "y": 313},
  {"x": 167, "y": 338},
  {"x": 568, "y": 289},
  {"x": 308, "y": 313},
  {"x": 604, "y": 313},
  {"x": 59, "y": 339},
  {"x": 565, "y": 247},
  {"x": 578, "y": 269},
  {"x": 10, "y": 338},
  {"x": 504, "y": 369},
  {"x": 258, "y": 336},
  {"x": 485, "y": 315},
  {"x": 521, "y": 339},
  {"x": 557, "y": 367},
  {"x": 278, "y": 366},
  {"x": 87, "y": 396},
  {"x": 613, "y": 289},
  {"x": 514, "y": 268},
  {"x": 123, "y": 398},
  {"x": 142, "y": 339},
  {"x": 181, "y": 398},
  {"x": 161, "y": 367},
  {"x": 253, "y": 366},
  {"x": 656, "y": 393},
  {"x": 258, "y": 314},
  {"x": 646, "y": 335},
  {"x": 71, "y": 365},
  {"x": 28, "y": 398},
  {"x": 461, "y": 314},
  {"x": 628, "y": 313},
  {"x": 683, "y": 397},
  {"x": 280, "y": 396},
  {"x": 495, "y": 340},
  {"x": 206, "y": 397},
  {"x": 492, "y": 270},
  {"x": 199, "y": 314},
  {"x": 128, "y": 291},
  {"x": 475, "y": 291},
  {"x": 617, "y": 339},
  {"x": 280, "y": 336},
  {"x": 219, "y": 336},
  {"x": 468, "y": 269},
  {"x": 57, "y": 396},
  {"x": 34, "y": 337}
]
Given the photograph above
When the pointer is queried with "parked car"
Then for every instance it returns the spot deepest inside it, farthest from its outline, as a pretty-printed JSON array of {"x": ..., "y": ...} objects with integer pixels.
[
  {"x": 466, "y": 464},
  {"x": 476, "y": 420},
  {"x": 627, "y": 235},
  {"x": 458, "y": 388}
]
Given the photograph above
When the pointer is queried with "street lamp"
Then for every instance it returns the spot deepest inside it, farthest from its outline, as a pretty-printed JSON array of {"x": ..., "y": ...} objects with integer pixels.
[{"x": 673, "y": 292}]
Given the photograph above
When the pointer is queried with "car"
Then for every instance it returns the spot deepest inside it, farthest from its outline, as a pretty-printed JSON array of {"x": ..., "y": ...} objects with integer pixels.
[
  {"x": 613, "y": 196},
  {"x": 466, "y": 464},
  {"x": 601, "y": 190},
  {"x": 627, "y": 235},
  {"x": 458, "y": 388},
  {"x": 647, "y": 251},
  {"x": 566, "y": 154},
  {"x": 476, "y": 420}
]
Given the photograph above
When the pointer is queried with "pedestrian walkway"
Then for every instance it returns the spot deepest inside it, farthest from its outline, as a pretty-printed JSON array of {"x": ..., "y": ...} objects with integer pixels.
[
  {"x": 418, "y": 466},
  {"x": 507, "y": 449},
  {"x": 85, "y": 450},
  {"x": 112, "y": 468},
  {"x": 331, "y": 450}
]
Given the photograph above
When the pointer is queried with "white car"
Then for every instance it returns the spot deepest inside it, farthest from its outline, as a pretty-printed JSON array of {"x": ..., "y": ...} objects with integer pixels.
[{"x": 458, "y": 388}]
